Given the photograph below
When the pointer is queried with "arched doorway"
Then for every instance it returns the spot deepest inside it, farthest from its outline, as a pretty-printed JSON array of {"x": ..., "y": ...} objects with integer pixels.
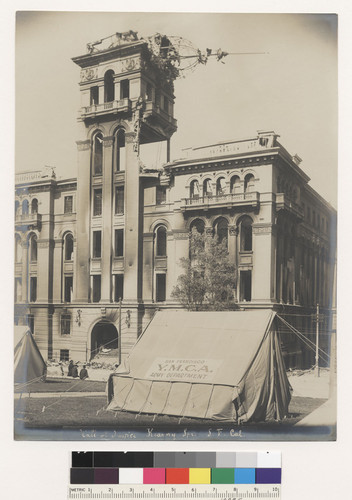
[{"x": 104, "y": 338}]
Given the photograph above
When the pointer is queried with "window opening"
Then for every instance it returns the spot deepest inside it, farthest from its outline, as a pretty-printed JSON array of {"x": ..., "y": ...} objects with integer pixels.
[
  {"x": 194, "y": 189},
  {"x": 96, "y": 288},
  {"x": 33, "y": 289},
  {"x": 221, "y": 230},
  {"x": 109, "y": 86},
  {"x": 118, "y": 287},
  {"x": 25, "y": 207},
  {"x": 246, "y": 286},
  {"x": 65, "y": 324},
  {"x": 34, "y": 249},
  {"x": 220, "y": 186},
  {"x": 235, "y": 184},
  {"x": 248, "y": 183},
  {"x": 68, "y": 204},
  {"x": 118, "y": 242},
  {"x": 124, "y": 89},
  {"x": 34, "y": 206},
  {"x": 207, "y": 188},
  {"x": 94, "y": 95},
  {"x": 96, "y": 244},
  {"x": 68, "y": 285},
  {"x": 160, "y": 287},
  {"x": 119, "y": 200},
  {"x": 97, "y": 202},
  {"x": 246, "y": 234},
  {"x": 68, "y": 247},
  {"x": 64, "y": 355},
  {"x": 161, "y": 239},
  {"x": 120, "y": 153},
  {"x": 98, "y": 154},
  {"x": 160, "y": 195}
]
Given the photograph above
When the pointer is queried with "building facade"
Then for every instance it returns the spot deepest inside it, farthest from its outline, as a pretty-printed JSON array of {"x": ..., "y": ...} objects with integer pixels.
[{"x": 119, "y": 230}]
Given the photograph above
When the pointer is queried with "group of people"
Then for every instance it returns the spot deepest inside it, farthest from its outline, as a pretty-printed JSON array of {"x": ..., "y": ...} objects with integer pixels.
[{"x": 73, "y": 371}]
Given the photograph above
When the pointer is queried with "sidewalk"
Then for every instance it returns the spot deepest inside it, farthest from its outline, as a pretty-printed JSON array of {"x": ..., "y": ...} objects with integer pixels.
[{"x": 67, "y": 394}]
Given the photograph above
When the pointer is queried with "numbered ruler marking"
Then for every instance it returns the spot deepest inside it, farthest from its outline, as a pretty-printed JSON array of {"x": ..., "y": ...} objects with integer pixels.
[{"x": 199, "y": 492}]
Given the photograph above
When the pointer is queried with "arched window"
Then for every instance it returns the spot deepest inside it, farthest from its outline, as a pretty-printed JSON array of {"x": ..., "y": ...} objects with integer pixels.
[
  {"x": 18, "y": 249},
  {"x": 17, "y": 206},
  {"x": 207, "y": 188},
  {"x": 34, "y": 206},
  {"x": 109, "y": 87},
  {"x": 220, "y": 186},
  {"x": 221, "y": 229},
  {"x": 149, "y": 92},
  {"x": 194, "y": 189},
  {"x": 25, "y": 207},
  {"x": 98, "y": 154},
  {"x": 33, "y": 248},
  {"x": 197, "y": 225},
  {"x": 68, "y": 247},
  {"x": 161, "y": 241},
  {"x": 248, "y": 183},
  {"x": 120, "y": 151},
  {"x": 235, "y": 184},
  {"x": 246, "y": 234}
]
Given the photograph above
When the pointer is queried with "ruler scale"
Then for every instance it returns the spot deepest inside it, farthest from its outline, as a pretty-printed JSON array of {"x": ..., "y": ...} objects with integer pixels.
[{"x": 175, "y": 475}]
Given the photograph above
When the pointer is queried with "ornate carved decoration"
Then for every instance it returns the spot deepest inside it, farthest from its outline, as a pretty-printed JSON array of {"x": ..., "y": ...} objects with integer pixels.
[
  {"x": 108, "y": 142},
  {"x": 262, "y": 229},
  {"x": 233, "y": 230},
  {"x": 89, "y": 74},
  {"x": 83, "y": 145}
]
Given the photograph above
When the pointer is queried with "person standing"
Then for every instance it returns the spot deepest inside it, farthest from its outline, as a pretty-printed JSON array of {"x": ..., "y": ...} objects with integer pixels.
[{"x": 70, "y": 368}]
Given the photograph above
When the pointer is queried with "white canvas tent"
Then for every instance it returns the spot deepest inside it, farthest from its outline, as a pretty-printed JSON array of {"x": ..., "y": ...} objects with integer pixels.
[
  {"x": 209, "y": 365},
  {"x": 29, "y": 363}
]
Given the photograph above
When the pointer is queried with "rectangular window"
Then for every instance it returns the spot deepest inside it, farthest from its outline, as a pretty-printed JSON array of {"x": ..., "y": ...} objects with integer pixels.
[
  {"x": 68, "y": 204},
  {"x": 65, "y": 324},
  {"x": 97, "y": 202},
  {"x": 119, "y": 200},
  {"x": 64, "y": 354},
  {"x": 96, "y": 244},
  {"x": 30, "y": 322},
  {"x": 118, "y": 242},
  {"x": 245, "y": 286},
  {"x": 160, "y": 195},
  {"x": 165, "y": 104},
  {"x": 33, "y": 289},
  {"x": 96, "y": 288},
  {"x": 118, "y": 287},
  {"x": 94, "y": 95},
  {"x": 68, "y": 285},
  {"x": 160, "y": 287},
  {"x": 125, "y": 89}
]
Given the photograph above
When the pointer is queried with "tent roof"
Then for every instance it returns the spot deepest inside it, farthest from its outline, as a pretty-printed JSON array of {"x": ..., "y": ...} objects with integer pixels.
[
  {"x": 19, "y": 332},
  {"x": 199, "y": 347}
]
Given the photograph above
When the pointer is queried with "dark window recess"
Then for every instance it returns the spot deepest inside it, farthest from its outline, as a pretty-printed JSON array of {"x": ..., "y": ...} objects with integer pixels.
[
  {"x": 68, "y": 288},
  {"x": 165, "y": 104},
  {"x": 34, "y": 206},
  {"x": 246, "y": 286},
  {"x": 30, "y": 322},
  {"x": 34, "y": 252},
  {"x": 118, "y": 242},
  {"x": 109, "y": 86},
  {"x": 161, "y": 242},
  {"x": 120, "y": 155},
  {"x": 97, "y": 202},
  {"x": 160, "y": 195},
  {"x": 25, "y": 207},
  {"x": 160, "y": 287},
  {"x": 64, "y": 354},
  {"x": 33, "y": 289},
  {"x": 246, "y": 235},
  {"x": 119, "y": 200},
  {"x": 98, "y": 154},
  {"x": 65, "y": 324},
  {"x": 94, "y": 95},
  {"x": 96, "y": 244},
  {"x": 118, "y": 287},
  {"x": 96, "y": 288},
  {"x": 124, "y": 89},
  {"x": 149, "y": 92},
  {"x": 68, "y": 204},
  {"x": 68, "y": 247}
]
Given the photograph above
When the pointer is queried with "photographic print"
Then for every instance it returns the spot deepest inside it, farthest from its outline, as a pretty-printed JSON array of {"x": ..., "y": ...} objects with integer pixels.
[{"x": 175, "y": 226}]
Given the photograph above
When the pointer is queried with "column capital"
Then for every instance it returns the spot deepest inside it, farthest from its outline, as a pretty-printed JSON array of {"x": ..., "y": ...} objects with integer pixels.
[
  {"x": 83, "y": 145},
  {"x": 108, "y": 141}
]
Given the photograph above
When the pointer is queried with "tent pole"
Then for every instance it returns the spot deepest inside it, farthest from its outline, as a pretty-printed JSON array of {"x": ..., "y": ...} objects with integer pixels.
[
  {"x": 120, "y": 331},
  {"x": 317, "y": 344}
]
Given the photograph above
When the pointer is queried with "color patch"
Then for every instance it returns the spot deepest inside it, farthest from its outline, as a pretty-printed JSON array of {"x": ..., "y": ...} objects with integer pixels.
[
  {"x": 130, "y": 476},
  {"x": 266, "y": 459},
  {"x": 206, "y": 459},
  {"x": 222, "y": 476},
  {"x": 225, "y": 460},
  {"x": 154, "y": 476},
  {"x": 268, "y": 476},
  {"x": 245, "y": 476},
  {"x": 177, "y": 476},
  {"x": 199, "y": 476},
  {"x": 82, "y": 476},
  {"x": 164, "y": 459},
  {"x": 106, "y": 476},
  {"x": 82, "y": 459},
  {"x": 246, "y": 459},
  {"x": 183, "y": 460}
]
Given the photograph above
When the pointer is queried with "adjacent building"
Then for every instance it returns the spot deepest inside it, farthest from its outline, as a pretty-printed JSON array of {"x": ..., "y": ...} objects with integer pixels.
[{"x": 119, "y": 230}]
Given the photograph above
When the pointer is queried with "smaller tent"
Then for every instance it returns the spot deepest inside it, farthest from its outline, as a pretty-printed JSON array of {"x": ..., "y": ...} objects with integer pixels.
[
  {"x": 29, "y": 363},
  {"x": 208, "y": 365}
]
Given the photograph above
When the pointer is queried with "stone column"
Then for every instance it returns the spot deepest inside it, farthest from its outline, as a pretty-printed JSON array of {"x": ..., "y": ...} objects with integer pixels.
[
  {"x": 43, "y": 271},
  {"x": 148, "y": 267},
  {"x": 132, "y": 221},
  {"x": 107, "y": 236},
  {"x": 263, "y": 263},
  {"x": 58, "y": 270},
  {"x": 25, "y": 271},
  {"x": 81, "y": 266}
]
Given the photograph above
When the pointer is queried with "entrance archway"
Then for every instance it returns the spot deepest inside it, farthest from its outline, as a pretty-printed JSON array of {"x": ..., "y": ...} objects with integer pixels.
[{"x": 104, "y": 336}]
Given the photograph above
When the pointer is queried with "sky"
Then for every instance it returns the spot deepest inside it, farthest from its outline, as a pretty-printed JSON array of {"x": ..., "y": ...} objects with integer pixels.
[{"x": 292, "y": 89}]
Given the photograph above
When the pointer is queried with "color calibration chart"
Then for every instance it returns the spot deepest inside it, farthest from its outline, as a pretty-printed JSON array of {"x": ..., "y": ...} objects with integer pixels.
[{"x": 167, "y": 475}]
